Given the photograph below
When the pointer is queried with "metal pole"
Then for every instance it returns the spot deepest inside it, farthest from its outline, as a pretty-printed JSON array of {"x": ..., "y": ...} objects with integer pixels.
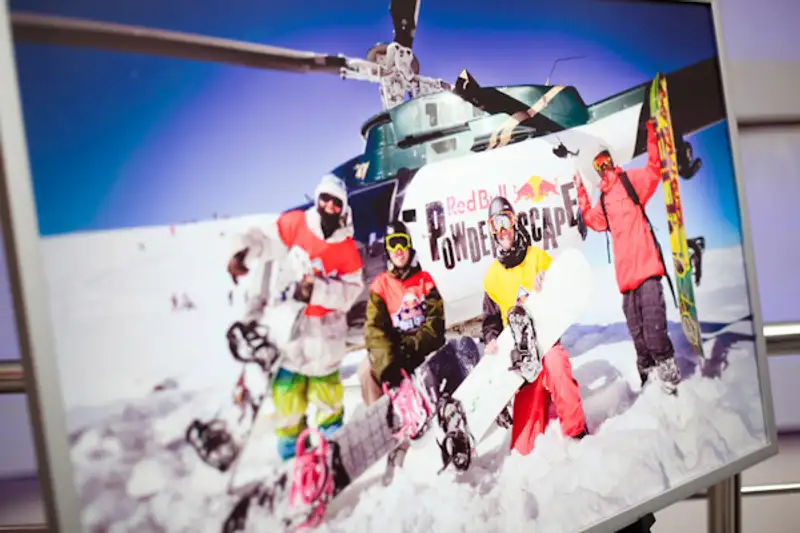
[
  {"x": 11, "y": 378},
  {"x": 725, "y": 506}
]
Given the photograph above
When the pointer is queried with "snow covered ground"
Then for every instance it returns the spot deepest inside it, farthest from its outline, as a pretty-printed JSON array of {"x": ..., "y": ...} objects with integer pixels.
[{"x": 135, "y": 373}]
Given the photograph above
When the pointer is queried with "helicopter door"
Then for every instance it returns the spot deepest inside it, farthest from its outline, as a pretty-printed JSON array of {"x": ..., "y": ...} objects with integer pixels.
[{"x": 372, "y": 208}]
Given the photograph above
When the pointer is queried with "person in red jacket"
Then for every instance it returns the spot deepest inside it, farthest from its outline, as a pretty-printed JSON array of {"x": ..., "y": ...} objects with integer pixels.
[
  {"x": 638, "y": 261},
  {"x": 405, "y": 320}
]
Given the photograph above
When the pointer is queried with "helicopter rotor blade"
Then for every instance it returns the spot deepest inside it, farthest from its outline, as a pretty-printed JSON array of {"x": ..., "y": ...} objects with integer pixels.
[
  {"x": 405, "y": 14},
  {"x": 45, "y": 29},
  {"x": 494, "y": 101}
]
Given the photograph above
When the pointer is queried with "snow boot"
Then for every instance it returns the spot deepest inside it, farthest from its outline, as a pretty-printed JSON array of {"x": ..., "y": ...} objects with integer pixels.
[{"x": 668, "y": 375}]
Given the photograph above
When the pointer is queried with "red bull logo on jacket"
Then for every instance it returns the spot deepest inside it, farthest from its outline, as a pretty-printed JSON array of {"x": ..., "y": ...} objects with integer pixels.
[
  {"x": 411, "y": 314},
  {"x": 536, "y": 189}
]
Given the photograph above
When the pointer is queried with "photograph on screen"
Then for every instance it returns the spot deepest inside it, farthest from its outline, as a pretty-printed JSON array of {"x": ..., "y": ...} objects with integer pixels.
[{"x": 381, "y": 265}]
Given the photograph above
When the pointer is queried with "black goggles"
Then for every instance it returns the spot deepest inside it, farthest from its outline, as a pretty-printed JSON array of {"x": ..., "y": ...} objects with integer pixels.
[{"x": 324, "y": 198}]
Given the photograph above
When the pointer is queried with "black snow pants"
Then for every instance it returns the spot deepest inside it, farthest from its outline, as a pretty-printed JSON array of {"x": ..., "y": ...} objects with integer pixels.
[{"x": 646, "y": 315}]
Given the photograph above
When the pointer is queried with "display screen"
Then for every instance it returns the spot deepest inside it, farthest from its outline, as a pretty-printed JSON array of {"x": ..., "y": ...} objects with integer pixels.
[{"x": 488, "y": 274}]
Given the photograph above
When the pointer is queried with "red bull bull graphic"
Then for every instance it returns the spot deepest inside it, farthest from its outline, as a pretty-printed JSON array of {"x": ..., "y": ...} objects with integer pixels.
[{"x": 536, "y": 189}]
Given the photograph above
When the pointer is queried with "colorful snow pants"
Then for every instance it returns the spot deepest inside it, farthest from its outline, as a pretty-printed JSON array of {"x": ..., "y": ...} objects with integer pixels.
[
  {"x": 646, "y": 314},
  {"x": 293, "y": 394},
  {"x": 555, "y": 385}
]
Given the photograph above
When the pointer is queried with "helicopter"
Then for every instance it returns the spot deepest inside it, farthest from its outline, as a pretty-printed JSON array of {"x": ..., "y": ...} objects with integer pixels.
[{"x": 438, "y": 152}]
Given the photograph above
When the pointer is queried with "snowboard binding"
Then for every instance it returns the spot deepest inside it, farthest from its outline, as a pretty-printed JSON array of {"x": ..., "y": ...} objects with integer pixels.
[
  {"x": 312, "y": 483},
  {"x": 526, "y": 356},
  {"x": 213, "y": 443},
  {"x": 688, "y": 165},
  {"x": 411, "y": 405},
  {"x": 696, "y": 248},
  {"x": 253, "y": 339},
  {"x": 458, "y": 445}
]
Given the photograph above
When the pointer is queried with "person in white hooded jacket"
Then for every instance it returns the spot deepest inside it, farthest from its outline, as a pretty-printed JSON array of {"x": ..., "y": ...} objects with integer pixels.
[{"x": 331, "y": 283}]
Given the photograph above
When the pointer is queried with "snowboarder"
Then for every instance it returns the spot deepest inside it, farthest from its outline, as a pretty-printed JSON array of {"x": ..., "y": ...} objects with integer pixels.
[
  {"x": 404, "y": 319},
  {"x": 309, "y": 372},
  {"x": 638, "y": 261},
  {"x": 519, "y": 269}
]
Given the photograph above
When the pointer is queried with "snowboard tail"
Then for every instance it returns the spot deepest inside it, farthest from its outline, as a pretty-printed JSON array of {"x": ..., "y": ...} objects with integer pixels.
[{"x": 683, "y": 261}]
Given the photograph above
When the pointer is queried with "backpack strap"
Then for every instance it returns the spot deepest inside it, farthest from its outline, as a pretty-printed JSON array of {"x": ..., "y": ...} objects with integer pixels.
[
  {"x": 626, "y": 182},
  {"x": 608, "y": 228}
]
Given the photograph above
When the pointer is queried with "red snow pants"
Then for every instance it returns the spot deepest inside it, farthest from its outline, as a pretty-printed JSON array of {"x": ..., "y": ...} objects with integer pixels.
[{"x": 554, "y": 386}]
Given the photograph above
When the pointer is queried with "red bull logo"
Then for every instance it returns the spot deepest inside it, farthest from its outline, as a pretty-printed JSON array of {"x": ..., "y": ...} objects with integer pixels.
[
  {"x": 411, "y": 314},
  {"x": 536, "y": 189}
]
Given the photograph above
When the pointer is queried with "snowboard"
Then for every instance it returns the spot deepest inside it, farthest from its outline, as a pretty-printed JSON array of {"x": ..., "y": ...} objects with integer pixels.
[
  {"x": 659, "y": 108},
  {"x": 299, "y": 491},
  {"x": 270, "y": 322},
  {"x": 535, "y": 325}
]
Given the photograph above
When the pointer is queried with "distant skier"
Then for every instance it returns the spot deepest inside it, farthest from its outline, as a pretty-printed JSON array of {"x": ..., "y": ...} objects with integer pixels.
[
  {"x": 520, "y": 269},
  {"x": 638, "y": 260},
  {"x": 309, "y": 372},
  {"x": 186, "y": 302},
  {"x": 404, "y": 319},
  {"x": 174, "y": 301}
]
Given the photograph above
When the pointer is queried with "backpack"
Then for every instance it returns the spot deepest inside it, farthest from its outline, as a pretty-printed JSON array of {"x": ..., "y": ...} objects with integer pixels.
[{"x": 626, "y": 182}]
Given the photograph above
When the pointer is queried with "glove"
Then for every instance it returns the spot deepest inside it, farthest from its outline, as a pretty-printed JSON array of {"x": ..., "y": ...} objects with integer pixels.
[
  {"x": 236, "y": 267},
  {"x": 303, "y": 289},
  {"x": 391, "y": 375}
]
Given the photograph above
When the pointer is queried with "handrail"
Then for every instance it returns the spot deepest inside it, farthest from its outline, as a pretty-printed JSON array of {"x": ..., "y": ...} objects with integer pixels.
[
  {"x": 12, "y": 379},
  {"x": 759, "y": 490},
  {"x": 782, "y": 339},
  {"x": 26, "y": 528}
]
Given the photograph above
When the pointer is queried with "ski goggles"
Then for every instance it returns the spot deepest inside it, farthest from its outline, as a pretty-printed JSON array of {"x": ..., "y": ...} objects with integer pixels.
[
  {"x": 501, "y": 221},
  {"x": 603, "y": 162},
  {"x": 325, "y": 198},
  {"x": 397, "y": 241}
]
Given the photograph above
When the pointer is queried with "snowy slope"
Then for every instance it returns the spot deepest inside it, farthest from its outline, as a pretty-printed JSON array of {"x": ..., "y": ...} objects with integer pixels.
[{"x": 117, "y": 338}]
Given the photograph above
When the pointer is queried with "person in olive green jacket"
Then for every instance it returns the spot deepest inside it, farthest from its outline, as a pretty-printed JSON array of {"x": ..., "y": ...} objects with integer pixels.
[{"x": 405, "y": 317}]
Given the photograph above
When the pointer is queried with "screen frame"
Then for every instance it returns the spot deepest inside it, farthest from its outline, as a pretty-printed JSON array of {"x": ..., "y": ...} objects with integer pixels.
[{"x": 35, "y": 329}]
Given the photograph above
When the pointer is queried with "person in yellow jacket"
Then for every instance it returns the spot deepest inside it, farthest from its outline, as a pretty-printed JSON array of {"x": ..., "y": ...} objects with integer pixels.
[{"x": 520, "y": 268}]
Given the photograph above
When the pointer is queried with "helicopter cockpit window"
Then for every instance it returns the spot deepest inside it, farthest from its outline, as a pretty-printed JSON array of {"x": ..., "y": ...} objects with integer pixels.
[{"x": 432, "y": 114}]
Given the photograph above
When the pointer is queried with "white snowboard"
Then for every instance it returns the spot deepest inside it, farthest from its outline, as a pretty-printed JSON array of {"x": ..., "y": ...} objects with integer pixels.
[
  {"x": 279, "y": 317},
  {"x": 566, "y": 292}
]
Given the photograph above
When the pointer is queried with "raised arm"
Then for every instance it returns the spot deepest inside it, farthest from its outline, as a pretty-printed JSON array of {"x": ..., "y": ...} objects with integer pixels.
[
  {"x": 645, "y": 180},
  {"x": 264, "y": 242},
  {"x": 593, "y": 216}
]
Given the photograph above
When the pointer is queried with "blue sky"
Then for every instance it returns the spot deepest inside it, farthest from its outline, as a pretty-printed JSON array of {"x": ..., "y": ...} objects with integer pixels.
[{"x": 121, "y": 140}]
